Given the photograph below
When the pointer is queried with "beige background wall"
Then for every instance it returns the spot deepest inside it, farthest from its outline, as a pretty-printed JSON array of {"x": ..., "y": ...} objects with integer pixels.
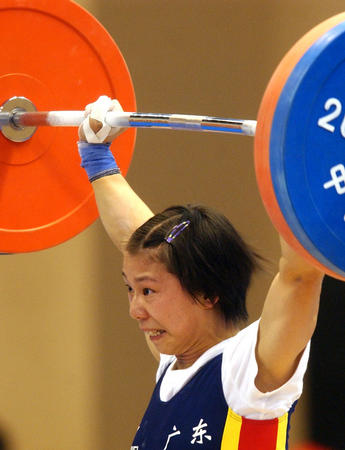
[{"x": 75, "y": 373}]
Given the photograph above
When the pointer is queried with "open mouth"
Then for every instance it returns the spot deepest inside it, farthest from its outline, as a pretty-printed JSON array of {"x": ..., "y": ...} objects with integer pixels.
[{"x": 155, "y": 333}]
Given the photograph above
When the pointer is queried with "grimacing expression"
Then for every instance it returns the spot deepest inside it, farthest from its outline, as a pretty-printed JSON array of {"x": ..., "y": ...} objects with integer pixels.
[{"x": 174, "y": 322}]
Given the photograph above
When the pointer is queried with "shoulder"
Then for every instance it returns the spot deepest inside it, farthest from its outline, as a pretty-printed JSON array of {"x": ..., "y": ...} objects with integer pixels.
[
  {"x": 243, "y": 342},
  {"x": 239, "y": 370}
]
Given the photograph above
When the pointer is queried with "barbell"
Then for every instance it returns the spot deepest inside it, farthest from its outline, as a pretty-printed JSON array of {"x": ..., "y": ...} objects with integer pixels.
[{"x": 45, "y": 197}]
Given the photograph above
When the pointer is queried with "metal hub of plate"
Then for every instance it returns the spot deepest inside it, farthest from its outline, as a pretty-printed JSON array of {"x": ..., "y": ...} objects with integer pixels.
[{"x": 12, "y": 131}]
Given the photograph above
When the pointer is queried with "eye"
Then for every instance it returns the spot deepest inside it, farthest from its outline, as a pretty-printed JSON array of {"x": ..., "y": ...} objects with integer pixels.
[
  {"x": 147, "y": 291},
  {"x": 130, "y": 290}
]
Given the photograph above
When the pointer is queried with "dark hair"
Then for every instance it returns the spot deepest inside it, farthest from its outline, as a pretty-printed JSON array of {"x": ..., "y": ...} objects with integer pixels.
[{"x": 208, "y": 257}]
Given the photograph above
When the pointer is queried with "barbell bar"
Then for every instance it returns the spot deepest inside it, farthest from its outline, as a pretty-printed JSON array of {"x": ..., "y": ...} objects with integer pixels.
[
  {"x": 298, "y": 144},
  {"x": 19, "y": 118}
]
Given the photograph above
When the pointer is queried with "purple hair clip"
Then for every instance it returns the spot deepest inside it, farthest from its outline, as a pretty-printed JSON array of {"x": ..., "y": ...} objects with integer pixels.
[{"x": 176, "y": 231}]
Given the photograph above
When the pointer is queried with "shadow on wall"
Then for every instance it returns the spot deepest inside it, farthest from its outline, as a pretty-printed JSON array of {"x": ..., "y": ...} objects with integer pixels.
[
  {"x": 4, "y": 441},
  {"x": 327, "y": 369},
  {"x": 310, "y": 446}
]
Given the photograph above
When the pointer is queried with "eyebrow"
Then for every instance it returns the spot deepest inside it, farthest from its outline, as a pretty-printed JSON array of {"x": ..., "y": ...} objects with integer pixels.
[{"x": 140, "y": 278}]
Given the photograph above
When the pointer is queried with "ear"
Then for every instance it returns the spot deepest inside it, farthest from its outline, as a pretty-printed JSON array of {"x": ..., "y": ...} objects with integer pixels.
[{"x": 207, "y": 303}]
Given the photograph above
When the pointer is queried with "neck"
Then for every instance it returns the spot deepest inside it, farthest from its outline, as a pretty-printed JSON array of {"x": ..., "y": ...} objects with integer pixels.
[{"x": 188, "y": 358}]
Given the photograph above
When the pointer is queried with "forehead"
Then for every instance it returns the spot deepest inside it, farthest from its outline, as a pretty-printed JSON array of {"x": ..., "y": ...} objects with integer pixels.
[{"x": 142, "y": 263}]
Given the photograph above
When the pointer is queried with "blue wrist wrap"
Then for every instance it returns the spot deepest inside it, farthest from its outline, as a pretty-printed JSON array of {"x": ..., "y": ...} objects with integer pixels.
[{"x": 97, "y": 160}]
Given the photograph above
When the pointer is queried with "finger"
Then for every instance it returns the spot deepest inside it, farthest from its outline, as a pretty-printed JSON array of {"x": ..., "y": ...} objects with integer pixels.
[
  {"x": 116, "y": 106},
  {"x": 100, "y": 108}
]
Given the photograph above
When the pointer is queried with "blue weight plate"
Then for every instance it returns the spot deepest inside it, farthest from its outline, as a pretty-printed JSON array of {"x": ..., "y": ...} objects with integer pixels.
[{"x": 307, "y": 150}]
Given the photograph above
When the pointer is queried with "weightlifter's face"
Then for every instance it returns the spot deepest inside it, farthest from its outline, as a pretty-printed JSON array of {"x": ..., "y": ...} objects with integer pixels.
[{"x": 172, "y": 320}]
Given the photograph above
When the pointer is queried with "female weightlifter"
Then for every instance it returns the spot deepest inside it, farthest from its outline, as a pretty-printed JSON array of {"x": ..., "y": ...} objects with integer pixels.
[{"x": 187, "y": 271}]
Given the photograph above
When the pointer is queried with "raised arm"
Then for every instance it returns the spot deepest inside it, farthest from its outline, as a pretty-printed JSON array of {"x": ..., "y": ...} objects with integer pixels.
[
  {"x": 288, "y": 319},
  {"x": 121, "y": 210}
]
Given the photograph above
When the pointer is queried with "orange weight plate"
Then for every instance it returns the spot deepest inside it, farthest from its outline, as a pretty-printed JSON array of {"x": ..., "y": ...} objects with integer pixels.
[{"x": 60, "y": 57}]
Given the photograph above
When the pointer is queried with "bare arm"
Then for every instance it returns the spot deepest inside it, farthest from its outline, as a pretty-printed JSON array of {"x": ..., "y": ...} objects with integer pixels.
[
  {"x": 120, "y": 208},
  {"x": 288, "y": 319},
  {"x": 121, "y": 212}
]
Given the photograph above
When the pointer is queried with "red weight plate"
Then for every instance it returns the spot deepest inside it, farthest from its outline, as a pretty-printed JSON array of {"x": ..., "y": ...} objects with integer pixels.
[
  {"x": 263, "y": 133},
  {"x": 60, "y": 57}
]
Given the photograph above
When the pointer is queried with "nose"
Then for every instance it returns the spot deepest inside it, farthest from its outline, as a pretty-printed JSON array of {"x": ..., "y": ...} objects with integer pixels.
[{"x": 137, "y": 308}]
